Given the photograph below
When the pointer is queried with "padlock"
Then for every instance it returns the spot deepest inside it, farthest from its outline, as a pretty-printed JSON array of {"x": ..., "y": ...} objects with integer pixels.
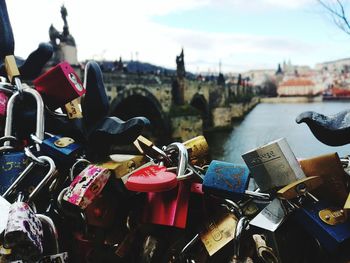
[
  {"x": 322, "y": 220},
  {"x": 40, "y": 120},
  {"x": 168, "y": 208},
  {"x": 59, "y": 85},
  {"x": 123, "y": 164},
  {"x": 327, "y": 223},
  {"x": 3, "y": 104},
  {"x": 12, "y": 163},
  {"x": 54, "y": 255},
  {"x": 5, "y": 209},
  {"x": 329, "y": 168},
  {"x": 219, "y": 230},
  {"x": 87, "y": 186},
  {"x": 64, "y": 150},
  {"x": 151, "y": 178},
  {"x": 299, "y": 188},
  {"x": 73, "y": 110},
  {"x": 281, "y": 235},
  {"x": 31, "y": 184},
  {"x": 157, "y": 178},
  {"x": 198, "y": 150},
  {"x": 273, "y": 165},
  {"x": 11, "y": 68},
  {"x": 24, "y": 232},
  {"x": 147, "y": 148},
  {"x": 229, "y": 181}
]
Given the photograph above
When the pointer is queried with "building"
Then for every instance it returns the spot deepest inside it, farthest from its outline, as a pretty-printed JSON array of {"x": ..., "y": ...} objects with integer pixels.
[
  {"x": 338, "y": 65},
  {"x": 299, "y": 87}
]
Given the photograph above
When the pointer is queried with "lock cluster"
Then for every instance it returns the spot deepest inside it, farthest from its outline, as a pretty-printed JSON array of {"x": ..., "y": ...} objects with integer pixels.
[{"x": 66, "y": 194}]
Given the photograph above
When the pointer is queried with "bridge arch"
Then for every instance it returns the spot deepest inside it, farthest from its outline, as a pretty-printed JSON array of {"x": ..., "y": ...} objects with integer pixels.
[
  {"x": 138, "y": 101},
  {"x": 199, "y": 102}
]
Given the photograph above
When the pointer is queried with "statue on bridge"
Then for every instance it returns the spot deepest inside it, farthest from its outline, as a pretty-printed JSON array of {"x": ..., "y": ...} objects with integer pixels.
[
  {"x": 178, "y": 87},
  {"x": 180, "y": 65},
  {"x": 63, "y": 42}
]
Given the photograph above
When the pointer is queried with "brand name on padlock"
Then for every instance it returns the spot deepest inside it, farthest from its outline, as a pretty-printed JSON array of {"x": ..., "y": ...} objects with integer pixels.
[{"x": 263, "y": 158}]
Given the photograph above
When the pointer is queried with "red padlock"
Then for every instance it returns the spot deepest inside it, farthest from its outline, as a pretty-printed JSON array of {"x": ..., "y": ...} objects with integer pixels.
[
  {"x": 168, "y": 208},
  {"x": 152, "y": 178},
  {"x": 59, "y": 85}
]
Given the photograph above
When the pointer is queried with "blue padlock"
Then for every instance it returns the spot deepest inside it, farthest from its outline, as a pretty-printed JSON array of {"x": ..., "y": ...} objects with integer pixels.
[
  {"x": 64, "y": 150},
  {"x": 11, "y": 165},
  {"x": 327, "y": 224},
  {"x": 229, "y": 181}
]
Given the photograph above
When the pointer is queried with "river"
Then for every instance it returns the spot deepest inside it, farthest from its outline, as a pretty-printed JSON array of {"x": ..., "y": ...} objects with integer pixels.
[{"x": 267, "y": 122}]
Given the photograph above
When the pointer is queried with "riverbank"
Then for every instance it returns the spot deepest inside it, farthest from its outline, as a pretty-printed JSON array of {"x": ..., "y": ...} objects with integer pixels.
[{"x": 291, "y": 99}]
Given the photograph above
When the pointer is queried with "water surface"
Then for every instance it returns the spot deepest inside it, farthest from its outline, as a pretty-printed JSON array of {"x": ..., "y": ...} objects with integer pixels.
[{"x": 268, "y": 122}]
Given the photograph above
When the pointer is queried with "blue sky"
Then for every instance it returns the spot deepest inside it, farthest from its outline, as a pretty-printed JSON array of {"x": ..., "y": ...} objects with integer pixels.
[{"x": 244, "y": 35}]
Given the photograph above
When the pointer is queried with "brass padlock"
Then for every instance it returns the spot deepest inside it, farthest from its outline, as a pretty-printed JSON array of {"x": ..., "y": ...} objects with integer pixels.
[
  {"x": 330, "y": 169},
  {"x": 11, "y": 67},
  {"x": 299, "y": 187},
  {"x": 123, "y": 164},
  {"x": 198, "y": 151}
]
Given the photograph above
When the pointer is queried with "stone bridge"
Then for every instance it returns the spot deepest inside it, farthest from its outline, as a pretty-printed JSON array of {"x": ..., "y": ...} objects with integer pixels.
[{"x": 152, "y": 96}]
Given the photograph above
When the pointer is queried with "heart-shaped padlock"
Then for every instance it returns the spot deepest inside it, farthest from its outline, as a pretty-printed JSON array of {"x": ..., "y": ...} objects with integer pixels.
[{"x": 152, "y": 178}]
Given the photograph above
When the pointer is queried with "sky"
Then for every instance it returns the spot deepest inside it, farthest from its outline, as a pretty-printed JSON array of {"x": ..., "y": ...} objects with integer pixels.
[{"x": 242, "y": 34}]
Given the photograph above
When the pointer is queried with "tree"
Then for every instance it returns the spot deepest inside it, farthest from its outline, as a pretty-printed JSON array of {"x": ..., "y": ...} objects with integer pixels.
[{"x": 336, "y": 9}]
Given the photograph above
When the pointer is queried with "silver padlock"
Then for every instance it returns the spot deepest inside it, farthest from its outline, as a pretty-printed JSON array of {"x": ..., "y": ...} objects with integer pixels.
[
  {"x": 273, "y": 165},
  {"x": 40, "y": 120},
  {"x": 181, "y": 164},
  {"x": 281, "y": 234}
]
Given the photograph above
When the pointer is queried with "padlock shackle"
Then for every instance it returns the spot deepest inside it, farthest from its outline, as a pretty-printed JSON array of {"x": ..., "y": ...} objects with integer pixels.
[
  {"x": 18, "y": 180},
  {"x": 40, "y": 118},
  {"x": 182, "y": 158},
  {"x": 46, "y": 179},
  {"x": 45, "y": 220}
]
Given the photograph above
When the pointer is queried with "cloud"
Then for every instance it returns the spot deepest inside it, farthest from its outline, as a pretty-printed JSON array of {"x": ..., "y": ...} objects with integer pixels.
[
  {"x": 261, "y": 5},
  {"x": 109, "y": 29}
]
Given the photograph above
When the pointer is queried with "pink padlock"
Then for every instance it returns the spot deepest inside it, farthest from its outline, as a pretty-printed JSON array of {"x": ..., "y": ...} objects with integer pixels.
[
  {"x": 87, "y": 185},
  {"x": 59, "y": 85}
]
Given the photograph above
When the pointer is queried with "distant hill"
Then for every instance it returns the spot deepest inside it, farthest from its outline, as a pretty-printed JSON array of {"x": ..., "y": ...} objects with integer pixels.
[{"x": 137, "y": 66}]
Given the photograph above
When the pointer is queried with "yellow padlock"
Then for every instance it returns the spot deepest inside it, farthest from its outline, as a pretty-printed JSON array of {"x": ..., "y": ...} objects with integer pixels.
[
  {"x": 122, "y": 164},
  {"x": 198, "y": 150},
  {"x": 11, "y": 67}
]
